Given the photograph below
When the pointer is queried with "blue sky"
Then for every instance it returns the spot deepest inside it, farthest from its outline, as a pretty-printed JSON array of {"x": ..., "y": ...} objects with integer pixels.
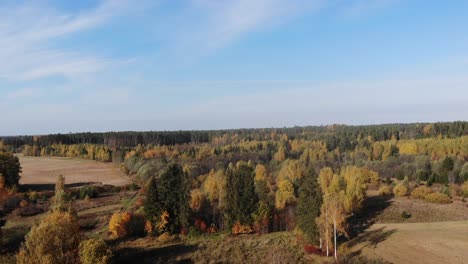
[{"x": 89, "y": 65}]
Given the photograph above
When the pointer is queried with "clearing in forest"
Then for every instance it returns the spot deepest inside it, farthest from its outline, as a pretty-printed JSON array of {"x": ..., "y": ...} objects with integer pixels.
[
  {"x": 44, "y": 171},
  {"x": 438, "y": 242}
]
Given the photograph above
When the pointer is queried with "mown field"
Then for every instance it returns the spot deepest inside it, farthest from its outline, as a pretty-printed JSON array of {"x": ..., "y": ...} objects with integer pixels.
[
  {"x": 44, "y": 171},
  {"x": 430, "y": 243},
  {"x": 433, "y": 233}
]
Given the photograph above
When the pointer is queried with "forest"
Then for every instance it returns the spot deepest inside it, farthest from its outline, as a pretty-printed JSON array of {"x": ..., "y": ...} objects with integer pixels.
[{"x": 309, "y": 180}]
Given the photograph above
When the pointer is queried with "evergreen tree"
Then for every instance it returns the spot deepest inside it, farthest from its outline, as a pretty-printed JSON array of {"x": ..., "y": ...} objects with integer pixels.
[
  {"x": 241, "y": 200},
  {"x": 170, "y": 193},
  {"x": 308, "y": 207},
  {"x": 10, "y": 168}
]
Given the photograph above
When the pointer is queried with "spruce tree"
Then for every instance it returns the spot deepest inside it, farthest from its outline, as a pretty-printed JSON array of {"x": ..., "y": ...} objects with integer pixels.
[
  {"x": 308, "y": 207},
  {"x": 170, "y": 193},
  {"x": 241, "y": 197}
]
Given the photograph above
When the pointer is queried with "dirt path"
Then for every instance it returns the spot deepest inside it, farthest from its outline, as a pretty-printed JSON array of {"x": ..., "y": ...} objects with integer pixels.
[
  {"x": 430, "y": 243},
  {"x": 44, "y": 170}
]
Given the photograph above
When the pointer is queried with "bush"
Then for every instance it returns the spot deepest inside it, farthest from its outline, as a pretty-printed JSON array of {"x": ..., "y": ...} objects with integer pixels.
[
  {"x": 465, "y": 189},
  {"x": 54, "y": 240},
  {"x": 33, "y": 196},
  {"x": 90, "y": 191},
  {"x": 400, "y": 190},
  {"x": 94, "y": 251},
  {"x": 119, "y": 225},
  {"x": 23, "y": 203},
  {"x": 455, "y": 190},
  {"x": 126, "y": 224},
  {"x": 193, "y": 232},
  {"x": 421, "y": 192},
  {"x": 11, "y": 202},
  {"x": 385, "y": 190},
  {"x": 446, "y": 190},
  {"x": 238, "y": 229},
  {"x": 166, "y": 237},
  {"x": 440, "y": 198},
  {"x": 405, "y": 215}
]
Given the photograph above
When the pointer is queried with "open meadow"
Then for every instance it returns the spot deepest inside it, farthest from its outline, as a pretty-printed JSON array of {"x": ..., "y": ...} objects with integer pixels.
[
  {"x": 413, "y": 243},
  {"x": 44, "y": 171}
]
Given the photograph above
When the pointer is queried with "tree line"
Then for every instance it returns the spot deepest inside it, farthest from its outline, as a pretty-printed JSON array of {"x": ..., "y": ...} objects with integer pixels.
[{"x": 335, "y": 136}]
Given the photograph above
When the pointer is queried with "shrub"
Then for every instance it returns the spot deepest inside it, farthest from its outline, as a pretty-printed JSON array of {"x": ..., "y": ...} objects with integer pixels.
[
  {"x": 440, "y": 198},
  {"x": 23, "y": 203},
  {"x": 90, "y": 191},
  {"x": 119, "y": 225},
  {"x": 133, "y": 187},
  {"x": 421, "y": 192},
  {"x": 11, "y": 202},
  {"x": 161, "y": 224},
  {"x": 149, "y": 228},
  {"x": 166, "y": 237},
  {"x": 455, "y": 190},
  {"x": 465, "y": 189},
  {"x": 405, "y": 215},
  {"x": 238, "y": 229},
  {"x": 94, "y": 251},
  {"x": 54, "y": 240},
  {"x": 385, "y": 190},
  {"x": 126, "y": 224},
  {"x": 446, "y": 190},
  {"x": 400, "y": 190},
  {"x": 33, "y": 196},
  {"x": 193, "y": 232}
]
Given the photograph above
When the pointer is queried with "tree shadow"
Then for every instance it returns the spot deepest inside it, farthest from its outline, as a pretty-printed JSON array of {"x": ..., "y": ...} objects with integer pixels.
[
  {"x": 51, "y": 187},
  {"x": 370, "y": 238},
  {"x": 167, "y": 254},
  {"x": 361, "y": 220}
]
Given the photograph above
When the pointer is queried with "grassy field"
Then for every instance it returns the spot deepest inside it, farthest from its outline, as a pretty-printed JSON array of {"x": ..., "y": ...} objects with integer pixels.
[
  {"x": 44, "y": 171},
  {"x": 280, "y": 247},
  {"x": 438, "y": 242},
  {"x": 422, "y": 211}
]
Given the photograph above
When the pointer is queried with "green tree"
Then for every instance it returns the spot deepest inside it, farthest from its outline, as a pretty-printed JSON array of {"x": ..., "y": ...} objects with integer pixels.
[
  {"x": 308, "y": 207},
  {"x": 170, "y": 192},
  {"x": 241, "y": 200},
  {"x": 10, "y": 168}
]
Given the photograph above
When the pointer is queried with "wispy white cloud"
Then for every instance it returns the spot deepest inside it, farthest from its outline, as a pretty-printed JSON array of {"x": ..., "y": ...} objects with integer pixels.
[
  {"x": 28, "y": 34},
  {"x": 207, "y": 26}
]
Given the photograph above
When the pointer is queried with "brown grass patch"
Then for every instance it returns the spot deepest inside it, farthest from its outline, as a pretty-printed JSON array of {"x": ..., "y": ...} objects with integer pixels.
[{"x": 44, "y": 171}]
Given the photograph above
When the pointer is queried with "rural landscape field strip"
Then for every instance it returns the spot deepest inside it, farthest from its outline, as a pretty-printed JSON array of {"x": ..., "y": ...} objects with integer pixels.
[
  {"x": 44, "y": 170},
  {"x": 437, "y": 242}
]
